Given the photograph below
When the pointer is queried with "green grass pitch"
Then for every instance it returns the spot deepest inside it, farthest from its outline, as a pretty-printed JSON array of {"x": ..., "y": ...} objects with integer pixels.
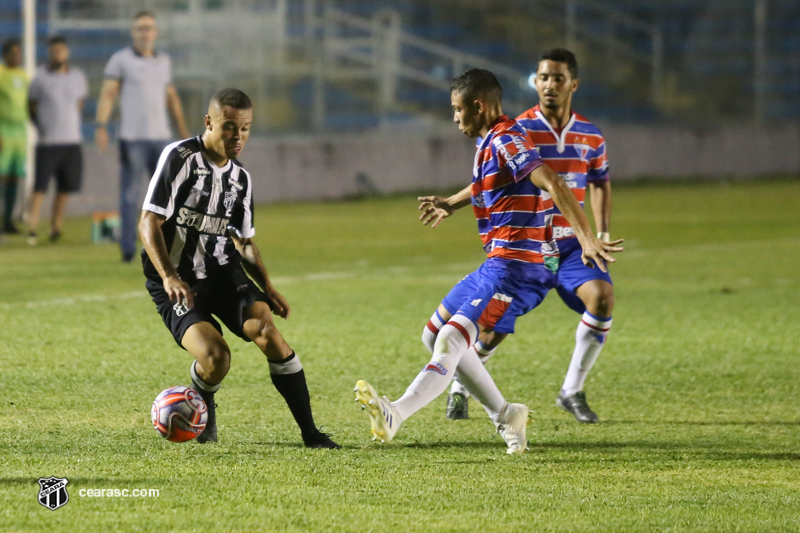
[{"x": 697, "y": 388}]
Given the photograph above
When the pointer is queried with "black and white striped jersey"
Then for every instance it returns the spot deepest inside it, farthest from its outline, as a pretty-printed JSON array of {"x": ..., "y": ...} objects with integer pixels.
[{"x": 203, "y": 204}]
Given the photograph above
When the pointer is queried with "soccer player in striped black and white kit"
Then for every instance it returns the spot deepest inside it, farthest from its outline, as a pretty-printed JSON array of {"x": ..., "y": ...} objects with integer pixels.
[
  {"x": 197, "y": 230},
  {"x": 512, "y": 194}
]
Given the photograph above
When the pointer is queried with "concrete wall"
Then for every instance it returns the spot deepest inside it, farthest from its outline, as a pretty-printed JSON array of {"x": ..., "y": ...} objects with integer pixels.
[
  {"x": 308, "y": 168},
  {"x": 673, "y": 152}
]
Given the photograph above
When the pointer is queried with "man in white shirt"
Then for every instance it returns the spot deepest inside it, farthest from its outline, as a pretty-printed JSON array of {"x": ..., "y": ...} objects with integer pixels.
[
  {"x": 142, "y": 77},
  {"x": 56, "y": 98}
]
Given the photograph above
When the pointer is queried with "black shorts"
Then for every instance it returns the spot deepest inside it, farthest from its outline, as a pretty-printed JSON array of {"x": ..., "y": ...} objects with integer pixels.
[
  {"x": 225, "y": 294},
  {"x": 65, "y": 161}
]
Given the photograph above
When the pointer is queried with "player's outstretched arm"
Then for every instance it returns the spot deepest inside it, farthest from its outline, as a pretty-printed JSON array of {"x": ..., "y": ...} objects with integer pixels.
[
  {"x": 436, "y": 208},
  {"x": 254, "y": 266},
  {"x": 594, "y": 250},
  {"x": 156, "y": 248}
]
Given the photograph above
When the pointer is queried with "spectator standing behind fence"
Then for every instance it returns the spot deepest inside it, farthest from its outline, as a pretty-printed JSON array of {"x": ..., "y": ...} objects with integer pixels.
[
  {"x": 13, "y": 128},
  {"x": 142, "y": 77},
  {"x": 56, "y": 98}
]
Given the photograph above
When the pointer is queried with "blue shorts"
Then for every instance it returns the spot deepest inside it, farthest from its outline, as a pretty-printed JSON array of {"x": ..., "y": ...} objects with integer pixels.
[
  {"x": 572, "y": 273},
  {"x": 500, "y": 291}
]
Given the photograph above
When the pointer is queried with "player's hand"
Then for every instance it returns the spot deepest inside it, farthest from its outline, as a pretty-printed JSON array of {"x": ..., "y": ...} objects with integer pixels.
[
  {"x": 598, "y": 252},
  {"x": 179, "y": 291},
  {"x": 434, "y": 209},
  {"x": 101, "y": 138},
  {"x": 278, "y": 304}
]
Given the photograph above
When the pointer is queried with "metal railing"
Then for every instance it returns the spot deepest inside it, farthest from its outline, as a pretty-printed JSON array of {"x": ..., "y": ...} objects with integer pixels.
[
  {"x": 654, "y": 59},
  {"x": 374, "y": 48}
]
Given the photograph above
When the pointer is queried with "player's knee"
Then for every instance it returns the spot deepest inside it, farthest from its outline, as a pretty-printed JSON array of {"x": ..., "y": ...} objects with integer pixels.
[
  {"x": 491, "y": 339},
  {"x": 217, "y": 359},
  {"x": 601, "y": 303}
]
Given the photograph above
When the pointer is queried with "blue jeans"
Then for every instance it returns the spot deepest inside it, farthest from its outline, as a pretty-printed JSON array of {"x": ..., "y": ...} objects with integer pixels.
[{"x": 135, "y": 158}]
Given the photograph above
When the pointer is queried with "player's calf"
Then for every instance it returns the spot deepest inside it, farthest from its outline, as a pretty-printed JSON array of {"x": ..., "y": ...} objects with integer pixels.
[{"x": 263, "y": 332}]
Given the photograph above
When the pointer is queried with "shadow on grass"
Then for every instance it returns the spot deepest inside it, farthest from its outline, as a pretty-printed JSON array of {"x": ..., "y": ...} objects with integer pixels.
[
  {"x": 371, "y": 445},
  {"x": 685, "y": 449}
]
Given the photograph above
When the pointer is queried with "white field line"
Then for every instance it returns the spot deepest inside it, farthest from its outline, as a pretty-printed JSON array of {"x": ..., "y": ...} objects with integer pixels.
[{"x": 277, "y": 281}]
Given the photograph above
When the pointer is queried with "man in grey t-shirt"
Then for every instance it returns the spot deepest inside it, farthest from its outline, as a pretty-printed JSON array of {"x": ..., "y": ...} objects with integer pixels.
[
  {"x": 142, "y": 78},
  {"x": 56, "y": 98}
]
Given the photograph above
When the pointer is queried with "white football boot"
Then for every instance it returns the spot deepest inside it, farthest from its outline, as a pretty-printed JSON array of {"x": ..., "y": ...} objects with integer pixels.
[
  {"x": 512, "y": 423},
  {"x": 382, "y": 414}
]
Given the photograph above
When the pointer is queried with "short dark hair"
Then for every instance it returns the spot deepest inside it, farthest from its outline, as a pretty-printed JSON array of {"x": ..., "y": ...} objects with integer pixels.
[
  {"x": 233, "y": 98},
  {"x": 477, "y": 82},
  {"x": 8, "y": 44},
  {"x": 144, "y": 13},
  {"x": 56, "y": 39},
  {"x": 562, "y": 55}
]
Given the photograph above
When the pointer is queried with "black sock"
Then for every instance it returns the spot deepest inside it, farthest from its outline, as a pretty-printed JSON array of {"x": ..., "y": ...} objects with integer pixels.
[{"x": 290, "y": 380}]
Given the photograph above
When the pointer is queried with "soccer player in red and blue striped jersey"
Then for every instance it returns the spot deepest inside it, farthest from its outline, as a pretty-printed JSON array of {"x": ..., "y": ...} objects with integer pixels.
[
  {"x": 575, "y": 149},
  {"x": 512, "y": 194}
]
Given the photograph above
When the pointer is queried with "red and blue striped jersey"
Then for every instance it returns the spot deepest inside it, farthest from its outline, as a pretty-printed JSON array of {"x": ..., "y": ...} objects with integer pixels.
[
  {"x": 514, "y": 216},
  {"x": 577, "y": 153}
]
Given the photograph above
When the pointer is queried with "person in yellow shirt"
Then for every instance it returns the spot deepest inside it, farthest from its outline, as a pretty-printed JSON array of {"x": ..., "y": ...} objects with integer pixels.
[{"x": 13, "y": 128}]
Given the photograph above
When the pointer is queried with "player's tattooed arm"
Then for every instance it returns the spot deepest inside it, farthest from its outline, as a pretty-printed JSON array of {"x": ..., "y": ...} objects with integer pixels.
[
  {"x": 156, "y": 248},
  {"x": 437, "y": 208},
  {"x": 594, "y": 250},
  {"x": 254, "y": 266}
]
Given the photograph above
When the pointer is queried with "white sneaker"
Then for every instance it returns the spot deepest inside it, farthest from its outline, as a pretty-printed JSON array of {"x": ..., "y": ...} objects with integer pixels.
[
  {"x": 512, "y": 422},
  {"x": 382, "y": 414}
]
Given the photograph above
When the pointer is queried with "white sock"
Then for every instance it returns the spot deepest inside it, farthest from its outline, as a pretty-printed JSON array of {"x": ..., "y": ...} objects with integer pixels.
[
  {"x": 431, "y": 330},
  {"x": 483, "y": 354},
  {"x": 451, "y": 344},
  {"x": 199, "y": 381},
  {"x": 474, "y": 377},
  {"x": 589, "y": 340}
]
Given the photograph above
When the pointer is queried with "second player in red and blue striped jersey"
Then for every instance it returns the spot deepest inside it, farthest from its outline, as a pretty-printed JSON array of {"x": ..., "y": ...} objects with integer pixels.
[{"x": 577, "y": 152}]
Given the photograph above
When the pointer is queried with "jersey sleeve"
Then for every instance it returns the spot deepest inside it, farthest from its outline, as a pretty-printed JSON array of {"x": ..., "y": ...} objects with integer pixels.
[
  {"x": 598, "y": 165},
  {"x": 171, "y": 171},
  {"x": 515, "y": 154},
  {"x": 114, "y": 68},
  {"x": 241, "y": 221}
]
